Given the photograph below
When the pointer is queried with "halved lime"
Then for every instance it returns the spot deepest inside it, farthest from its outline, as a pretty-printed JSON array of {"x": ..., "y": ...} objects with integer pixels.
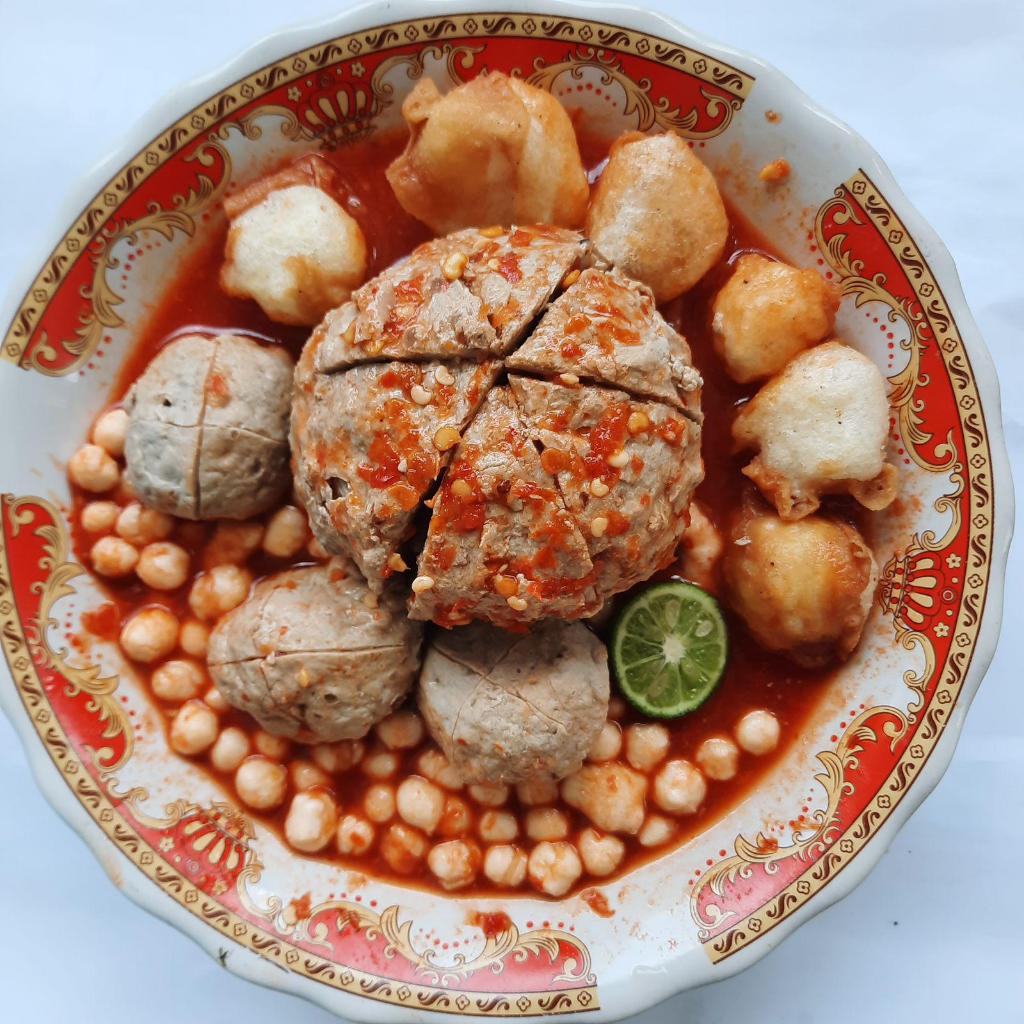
[{"x": 669, "y": 649}]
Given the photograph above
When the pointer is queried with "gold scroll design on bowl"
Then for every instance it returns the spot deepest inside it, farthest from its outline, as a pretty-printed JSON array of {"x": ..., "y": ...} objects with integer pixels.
[
  {"x": 332, "y": 119},
  {"x": 906, "y": 384},
  {"x": 498, "y": 949},
  {"x": 222, "y": 836},
  {"x": 648, "y": 112},
  {"x": 58, "y": 572},
  {"x": 812, "y": 837},
  {"x": 906, "y": 571}
]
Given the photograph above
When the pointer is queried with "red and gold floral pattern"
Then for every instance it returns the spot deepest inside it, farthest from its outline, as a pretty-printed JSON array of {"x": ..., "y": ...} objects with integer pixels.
[
  {"x": 933, "y": 590},
  {"x": 205, "y": 857}
]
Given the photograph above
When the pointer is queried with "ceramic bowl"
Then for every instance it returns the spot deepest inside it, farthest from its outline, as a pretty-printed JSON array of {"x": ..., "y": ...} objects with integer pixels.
[{"x": 805, "y": 837}]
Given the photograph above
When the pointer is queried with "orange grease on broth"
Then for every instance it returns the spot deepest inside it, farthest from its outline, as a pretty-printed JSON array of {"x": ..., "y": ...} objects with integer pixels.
[{"x": 754, "y": 678}]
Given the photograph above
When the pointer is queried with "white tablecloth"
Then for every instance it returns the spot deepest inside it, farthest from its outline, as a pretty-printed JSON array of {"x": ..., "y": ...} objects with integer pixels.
[{"x": 934, "y": 934}]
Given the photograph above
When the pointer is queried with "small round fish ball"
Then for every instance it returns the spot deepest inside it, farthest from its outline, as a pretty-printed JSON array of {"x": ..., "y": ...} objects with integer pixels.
[
  {"x": 286, "y": 532},
  {"x": 454, "y": 863},
  {"x": 420, "y": 803},
  {"x": 656, "y": 831},
  {"x": 230, "y": 750},
  {"x": 757, "y": 732},
  {"x": 307, "y": 775},
  {"x": 490, "y": 795},
  {"x": 546, "y": 823},
  {"x": 113, "y": 557},
  {"x": 312, "y": 820},
  {"x": 99, "y": 516},
  {"x": 355, "y": 835},
  {"x": 379, "y": 802},
  {"x": 93, "y": 469},
  {"x": 679, "y": 788},
  {"x": 219, "y": 591},
  {"x": 498, "y": 827},
  {"x": 719, "y": 758},
  {"x": 656, "y": 213},
  {"x": 601, "y": 853},
  {"x": 608, "y": 743},
  {"x": 646, "y": 745},
  {"x": 403, "y": 848},
  {"x": 216, "y": 700},
  {"x": 338, "y": 757},
  {"x": 457, "y": 818},
  {"x": 276, "y": 748},
  {"x": 261, "y": 783},
  {"x": 149, "y": 635},
  {"x": 193, "y": 729},
  {"x": 178, "y": 681},
  {"x": 554, "y": 867},
  {"x": 194, "y": 638},
  {"x": 110, "y": 430},
  {"x": 140, "y": 525},
  {"x": 401, "y": 731},
  {"x": 380, "y": 764},
  {"x": 505, "y": 865},
  {"x": 163, "y": 566}
]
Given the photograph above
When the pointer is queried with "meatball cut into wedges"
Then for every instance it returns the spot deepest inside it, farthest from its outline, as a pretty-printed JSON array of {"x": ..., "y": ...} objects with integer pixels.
[
  {"x": 508, "y": 707},
  {"x": 313, "y": 656}
]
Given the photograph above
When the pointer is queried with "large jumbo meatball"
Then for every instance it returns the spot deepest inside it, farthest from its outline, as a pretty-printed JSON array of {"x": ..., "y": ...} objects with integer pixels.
[
  {"x": 293, "y": 247},
  {"x": 767, "y": 313},
  {"x": 657, "y": 214},
  {"x": 493, "y": 151},
  {"x": 507, "y": 708},
  {"x": 312, "y": 655},
  {"x": 208, "y": 428},
  {"x": 802, "y": 587}
]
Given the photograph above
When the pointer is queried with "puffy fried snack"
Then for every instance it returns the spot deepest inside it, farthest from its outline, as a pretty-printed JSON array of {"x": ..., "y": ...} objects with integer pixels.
[
  {"x": 767, "y": 313},
  {"x": 492, "y": 151},
  {"x": 802, "y": 587},
  {"x": 310, "y": 655},
  {"x": 657, "y": 215},
  {"x": 292, "y": 245},
  {"x": 508, "y": 707},
  {"x": 208, "y": 428},
  {"x": 820, "y": 427}
]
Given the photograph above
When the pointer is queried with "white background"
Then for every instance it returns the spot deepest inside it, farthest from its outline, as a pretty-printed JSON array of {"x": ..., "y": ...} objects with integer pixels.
[{"x": 934, "y": 934}]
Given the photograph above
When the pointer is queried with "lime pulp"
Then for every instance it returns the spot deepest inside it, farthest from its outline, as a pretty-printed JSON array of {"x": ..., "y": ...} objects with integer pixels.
[{"x": 669, "y": 649}]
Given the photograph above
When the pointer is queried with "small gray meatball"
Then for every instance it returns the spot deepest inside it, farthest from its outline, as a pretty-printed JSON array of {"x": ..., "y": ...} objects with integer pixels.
[
  {"x": 312, "y": 655},
  {"x": 208, "y": 429},
  {"x": 507, "y": 707}
]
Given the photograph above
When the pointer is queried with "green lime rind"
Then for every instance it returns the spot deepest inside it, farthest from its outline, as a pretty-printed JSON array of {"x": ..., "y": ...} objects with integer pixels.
[{"x": 669, "y": 649}]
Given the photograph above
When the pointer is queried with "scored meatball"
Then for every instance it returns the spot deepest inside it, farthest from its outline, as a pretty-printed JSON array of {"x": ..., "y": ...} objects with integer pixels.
[
  {"x": 311, "y": 655},
  {"x": 509, "y": 708},
  {"x": 208, "y": 428},
  {"x": 767, "y": 313},
  {"x": 495, "y": 150},
  {"x": 657, "y": 214},
  {"x": 820, "y": 427},
  {"x": 802, "y": 587},
  {"x": 292, "y": 246}
]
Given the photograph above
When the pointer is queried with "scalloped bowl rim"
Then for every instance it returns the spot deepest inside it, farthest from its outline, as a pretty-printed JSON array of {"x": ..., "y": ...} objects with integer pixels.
[{"x": 657, "y": 986}]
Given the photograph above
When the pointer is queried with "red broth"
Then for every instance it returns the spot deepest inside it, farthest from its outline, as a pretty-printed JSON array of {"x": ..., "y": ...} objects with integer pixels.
[{"x": 754, "y": 678}]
